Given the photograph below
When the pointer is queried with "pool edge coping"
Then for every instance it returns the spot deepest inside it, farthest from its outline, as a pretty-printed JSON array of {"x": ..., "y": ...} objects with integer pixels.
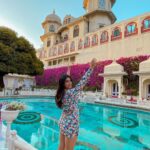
[{"x": 124, "y": 106}]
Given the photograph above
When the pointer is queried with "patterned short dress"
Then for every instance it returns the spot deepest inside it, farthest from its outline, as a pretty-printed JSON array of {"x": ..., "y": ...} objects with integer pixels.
[{"x": 69, "y": 120}]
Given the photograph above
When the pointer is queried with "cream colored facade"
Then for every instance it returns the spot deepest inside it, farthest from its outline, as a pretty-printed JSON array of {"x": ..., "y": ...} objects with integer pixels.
[{"x": 95, "y": 34}]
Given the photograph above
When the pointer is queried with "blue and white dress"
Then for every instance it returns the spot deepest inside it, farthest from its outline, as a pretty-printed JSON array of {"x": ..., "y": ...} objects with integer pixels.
[{"x": 69, "y": 120}]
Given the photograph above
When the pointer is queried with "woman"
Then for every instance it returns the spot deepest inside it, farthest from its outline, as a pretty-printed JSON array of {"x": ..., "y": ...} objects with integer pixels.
[{"x": 67, "y": 100}]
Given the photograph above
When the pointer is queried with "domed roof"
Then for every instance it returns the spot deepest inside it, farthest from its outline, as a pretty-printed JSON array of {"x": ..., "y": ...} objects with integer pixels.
[
  {"x": 145, "y": 66},
  {"x": 53, "y": 17},
  {"x": 114, "y": 67}
]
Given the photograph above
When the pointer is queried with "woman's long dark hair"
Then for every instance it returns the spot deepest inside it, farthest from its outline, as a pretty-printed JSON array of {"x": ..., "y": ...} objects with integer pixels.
[{"x": 61, "y": 90}]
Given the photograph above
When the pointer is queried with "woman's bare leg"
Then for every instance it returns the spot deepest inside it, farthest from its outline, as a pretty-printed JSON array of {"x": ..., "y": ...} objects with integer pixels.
[
  {"x": 62, "y": 142},
  {"x": 70, "y": 143}
]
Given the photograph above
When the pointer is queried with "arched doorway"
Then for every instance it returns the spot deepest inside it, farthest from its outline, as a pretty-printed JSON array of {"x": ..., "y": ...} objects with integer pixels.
[
  {"x": 112, "y": 88},
  {"x": 115, "y": 89},
  {"x": 146, "y": 89}
]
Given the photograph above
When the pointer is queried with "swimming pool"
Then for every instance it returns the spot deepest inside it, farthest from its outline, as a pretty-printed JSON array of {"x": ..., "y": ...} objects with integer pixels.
[{"x": 101, "y": 127}]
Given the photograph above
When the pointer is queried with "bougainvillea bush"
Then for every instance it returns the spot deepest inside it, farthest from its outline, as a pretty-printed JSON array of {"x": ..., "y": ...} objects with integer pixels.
[
  {"x": 50, "y": 77},
  {"x": 131, "y": 81},
  {"x": 131, "y": 64}
]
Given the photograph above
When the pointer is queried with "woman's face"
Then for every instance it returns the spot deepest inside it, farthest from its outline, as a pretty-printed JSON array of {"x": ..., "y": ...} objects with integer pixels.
[{"x": 68, "y": 83}]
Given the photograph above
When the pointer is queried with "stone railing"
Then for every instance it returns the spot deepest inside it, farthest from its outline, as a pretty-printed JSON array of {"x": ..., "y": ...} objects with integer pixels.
[
  {"x": 13, "y": 141},
  {"x": 36, "y": 92},
  {"x": 1, "y": 93},
  {"x": 16, "y": 143}
]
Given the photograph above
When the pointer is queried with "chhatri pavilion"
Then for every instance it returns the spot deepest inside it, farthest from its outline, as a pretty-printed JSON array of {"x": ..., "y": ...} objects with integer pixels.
[{"x": 96, "y": 35}]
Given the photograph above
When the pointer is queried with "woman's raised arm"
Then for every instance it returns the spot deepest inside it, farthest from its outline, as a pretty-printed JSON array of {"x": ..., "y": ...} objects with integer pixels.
[{"x": 85, "y": 78}]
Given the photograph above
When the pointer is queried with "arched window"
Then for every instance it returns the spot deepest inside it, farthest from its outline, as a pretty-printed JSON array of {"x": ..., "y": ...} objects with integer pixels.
[
  {"x": 76, "y": 31},
  {"x": 66, "y": 37},
  {"x": 145, "y": 24},
  {"x": 72, "y": 46},
  {"x": 102, "y": 4},
  {"x": 149, "y": 90},
  {"x": 60, "y": 50},
  {"x": 54, "y": 51},
  {"x": 94, "y": 40},
  {"x": 116, "y": 34},
  {"x": 52, "y": 28},
  {"x": 80, "y": 44},
  {"x": 48, "y": 43},
  {"x": 66, "y": 48},
  {"x": 69, "y": 20},
  {"x": 131, "y": 29},
  {"x": 104, "y": 37},
  {"x": 87, "y": 42}
]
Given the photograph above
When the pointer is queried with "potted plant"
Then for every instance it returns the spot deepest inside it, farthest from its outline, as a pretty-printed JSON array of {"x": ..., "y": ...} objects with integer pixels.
[{"x": 10, "y": 111}]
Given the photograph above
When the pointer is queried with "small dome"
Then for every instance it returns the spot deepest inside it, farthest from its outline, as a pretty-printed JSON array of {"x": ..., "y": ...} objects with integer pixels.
[
  {"x": 53, "y": 17},
  {"x": 114, "y": 67},
  {"x": 145, "y": 65}
]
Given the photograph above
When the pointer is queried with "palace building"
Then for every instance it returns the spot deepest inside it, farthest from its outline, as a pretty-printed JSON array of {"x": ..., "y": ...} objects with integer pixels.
[{"x": 95, "y": 34}]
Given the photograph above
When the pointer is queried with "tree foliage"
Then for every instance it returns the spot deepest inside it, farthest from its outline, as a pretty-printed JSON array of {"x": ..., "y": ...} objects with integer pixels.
[{"x": 17, "y": 55}]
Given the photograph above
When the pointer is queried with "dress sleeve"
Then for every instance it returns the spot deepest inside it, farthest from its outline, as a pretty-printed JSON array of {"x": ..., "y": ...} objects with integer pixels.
[{"x": 82, "y": 82}]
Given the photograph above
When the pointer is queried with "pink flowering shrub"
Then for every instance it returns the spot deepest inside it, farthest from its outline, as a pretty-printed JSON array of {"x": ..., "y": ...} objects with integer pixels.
[
  {"x": 51, "y": 77},
  {"x": 131, "y": 64},
  {"x": 131, "y": 81}
]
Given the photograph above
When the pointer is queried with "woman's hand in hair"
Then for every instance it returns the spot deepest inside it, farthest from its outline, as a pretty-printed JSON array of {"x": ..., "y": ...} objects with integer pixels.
[{"x": 93, "y": 63}]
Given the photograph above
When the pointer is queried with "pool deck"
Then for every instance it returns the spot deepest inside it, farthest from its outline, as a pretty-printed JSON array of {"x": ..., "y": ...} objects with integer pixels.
[{"x": 124, "y": 105}]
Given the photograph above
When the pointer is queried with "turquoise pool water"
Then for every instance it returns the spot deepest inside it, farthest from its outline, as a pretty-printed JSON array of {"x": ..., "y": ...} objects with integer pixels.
[{"x": 101, "y": 127}]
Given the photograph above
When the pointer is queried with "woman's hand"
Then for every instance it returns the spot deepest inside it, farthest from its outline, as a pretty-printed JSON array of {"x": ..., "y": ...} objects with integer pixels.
[{"x": 93, "y": 63}]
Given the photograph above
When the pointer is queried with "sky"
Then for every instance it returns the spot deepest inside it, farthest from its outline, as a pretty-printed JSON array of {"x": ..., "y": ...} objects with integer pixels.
[{"x": 26, "y": 16}]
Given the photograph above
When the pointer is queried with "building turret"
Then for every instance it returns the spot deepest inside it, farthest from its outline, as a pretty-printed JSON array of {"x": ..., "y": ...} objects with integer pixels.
[
  {"x": 98, "y": 13},
  {"x": 52, "y": 23}
]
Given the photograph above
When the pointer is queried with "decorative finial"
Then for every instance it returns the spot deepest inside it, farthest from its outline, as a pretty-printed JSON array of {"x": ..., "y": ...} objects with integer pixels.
[{"x": 54, "y": 11}]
